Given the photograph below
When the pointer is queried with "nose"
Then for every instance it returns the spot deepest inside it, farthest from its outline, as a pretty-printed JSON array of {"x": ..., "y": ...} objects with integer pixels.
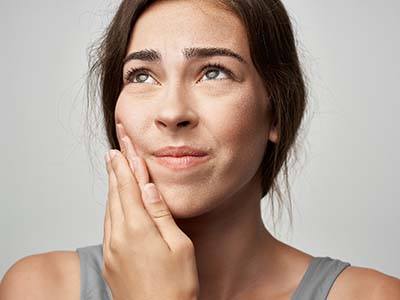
[{"x": 176, "y": 111}]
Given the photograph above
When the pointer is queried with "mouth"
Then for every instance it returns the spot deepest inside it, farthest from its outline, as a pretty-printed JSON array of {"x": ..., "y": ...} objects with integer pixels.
[{"x": 181, "y": 162}]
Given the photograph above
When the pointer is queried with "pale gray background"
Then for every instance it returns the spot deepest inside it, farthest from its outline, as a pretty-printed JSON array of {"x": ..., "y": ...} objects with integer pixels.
[{"x": 346, "y": 193}]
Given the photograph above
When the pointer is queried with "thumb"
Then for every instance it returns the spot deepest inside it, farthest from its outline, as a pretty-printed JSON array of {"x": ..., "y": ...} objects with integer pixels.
[{"x": 162, "y": 217}]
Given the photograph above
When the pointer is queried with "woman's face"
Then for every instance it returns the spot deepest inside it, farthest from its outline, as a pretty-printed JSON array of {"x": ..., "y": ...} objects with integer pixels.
[{"x": 175, "y": 102}]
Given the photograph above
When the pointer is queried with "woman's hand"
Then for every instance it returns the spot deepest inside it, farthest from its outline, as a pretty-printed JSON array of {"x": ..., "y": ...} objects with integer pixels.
[{"x": 146, "y": 255}]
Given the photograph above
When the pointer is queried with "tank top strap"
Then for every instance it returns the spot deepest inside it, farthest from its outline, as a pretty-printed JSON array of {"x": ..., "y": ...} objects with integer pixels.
[
  {"x": 92, "y": 284},
  {"x": 319, "y": 278}
]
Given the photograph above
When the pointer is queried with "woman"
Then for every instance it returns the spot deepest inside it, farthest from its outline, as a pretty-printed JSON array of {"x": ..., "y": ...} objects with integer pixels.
[{"x": 221, "y": 78}]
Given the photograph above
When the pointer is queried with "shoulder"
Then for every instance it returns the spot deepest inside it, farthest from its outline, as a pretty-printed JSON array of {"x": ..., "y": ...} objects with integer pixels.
[
  {"x": 43, "y": 276},
  {"x": 364, "y": 283}
]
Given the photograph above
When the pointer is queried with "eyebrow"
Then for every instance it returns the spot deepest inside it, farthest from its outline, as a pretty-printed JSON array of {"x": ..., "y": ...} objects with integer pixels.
[{"x": 153, "y": 55}]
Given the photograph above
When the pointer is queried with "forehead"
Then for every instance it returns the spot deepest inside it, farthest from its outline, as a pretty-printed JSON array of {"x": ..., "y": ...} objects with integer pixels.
[{"x": 173, "y": 25}]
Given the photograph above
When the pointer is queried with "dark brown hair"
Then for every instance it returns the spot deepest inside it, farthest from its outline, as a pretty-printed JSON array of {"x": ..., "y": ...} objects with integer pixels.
[{"x": 273, "y": 53}]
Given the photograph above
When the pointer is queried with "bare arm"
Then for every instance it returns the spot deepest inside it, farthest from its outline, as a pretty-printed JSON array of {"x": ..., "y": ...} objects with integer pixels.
[
  {"x": 388, "y": 287},
  {"x": 40, "y": 277}
]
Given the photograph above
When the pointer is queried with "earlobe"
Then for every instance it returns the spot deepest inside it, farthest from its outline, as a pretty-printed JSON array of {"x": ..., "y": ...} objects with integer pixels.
[{"x": 273, "y": 135}]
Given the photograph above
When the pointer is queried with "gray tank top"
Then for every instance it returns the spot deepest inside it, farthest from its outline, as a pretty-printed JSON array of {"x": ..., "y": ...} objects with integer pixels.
[{"x": 315, "y": 284}]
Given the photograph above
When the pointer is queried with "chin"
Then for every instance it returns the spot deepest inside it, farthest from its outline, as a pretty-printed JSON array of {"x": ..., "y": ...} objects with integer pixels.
[{"x": 186, "y": 201}]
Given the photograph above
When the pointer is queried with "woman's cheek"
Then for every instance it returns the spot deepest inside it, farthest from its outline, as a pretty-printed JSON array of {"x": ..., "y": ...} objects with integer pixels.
[
  {"x": 133, "y": 117},
  {"x": 242, "y": 132}
]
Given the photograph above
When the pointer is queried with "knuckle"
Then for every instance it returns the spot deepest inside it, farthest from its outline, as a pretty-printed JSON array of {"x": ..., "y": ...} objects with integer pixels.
[
  {"x": 115, "y": 243},
  {"x": 124, "y": 185},
  {"x": 106, "y": 273},
  {"x": 134, "y": 227},
  {"x": 139, "y": 230},
  {"x": 185, "y": 245},
  {"x": 107, "y": 266},
  {"x": 160, "y": 213}
]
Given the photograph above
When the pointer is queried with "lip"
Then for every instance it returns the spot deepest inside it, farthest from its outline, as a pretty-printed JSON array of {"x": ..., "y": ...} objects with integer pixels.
[
  {"x": 182, "y": 162},
  {"x": 179, "y": 152}
]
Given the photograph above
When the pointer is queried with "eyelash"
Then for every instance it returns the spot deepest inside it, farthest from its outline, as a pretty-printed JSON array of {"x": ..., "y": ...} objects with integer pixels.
[{"x": 207, "y": 67}]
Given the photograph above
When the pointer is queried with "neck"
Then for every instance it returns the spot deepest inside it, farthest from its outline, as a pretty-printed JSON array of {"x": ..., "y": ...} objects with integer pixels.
[{"x": 232, "y": 246}]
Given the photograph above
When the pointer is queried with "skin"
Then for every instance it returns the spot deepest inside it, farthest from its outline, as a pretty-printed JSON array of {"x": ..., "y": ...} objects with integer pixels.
[{"x": 217, "y": 204}]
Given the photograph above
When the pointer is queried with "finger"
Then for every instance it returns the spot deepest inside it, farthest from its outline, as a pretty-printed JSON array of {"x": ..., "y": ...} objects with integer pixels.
[
  {"x": 129, "y": 157},
  {"x": 139, "y": 165},
  {"x": 128, "y": 190},
  {"x": 127, "y": 151},
  {"x": 162, "y": 218},
  {"x": 140, "y": 170},
  {"x": 123, "y": 134},
  {"x": 142, "y": 174},
  {"x": 120, "y": 135},
  {"x": 130, "y": 154},
  {"x": 116, "y": 212}
]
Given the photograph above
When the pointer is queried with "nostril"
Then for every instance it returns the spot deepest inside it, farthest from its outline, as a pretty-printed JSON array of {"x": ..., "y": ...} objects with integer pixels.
[{"x": 183, "y": 124}]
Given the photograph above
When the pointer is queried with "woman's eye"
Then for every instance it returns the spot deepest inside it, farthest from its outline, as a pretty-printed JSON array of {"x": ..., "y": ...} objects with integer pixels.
[
  {"x": 137, "y": 74},
  {"x": 214, "y": 72}
]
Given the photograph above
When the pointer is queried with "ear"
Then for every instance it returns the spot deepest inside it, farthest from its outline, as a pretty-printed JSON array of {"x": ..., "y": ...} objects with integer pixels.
[{"x": 273, "y": 134}]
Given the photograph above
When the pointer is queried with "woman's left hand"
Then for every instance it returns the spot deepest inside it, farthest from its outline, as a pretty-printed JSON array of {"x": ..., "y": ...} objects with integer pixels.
[{"x": 146, "y": 255}]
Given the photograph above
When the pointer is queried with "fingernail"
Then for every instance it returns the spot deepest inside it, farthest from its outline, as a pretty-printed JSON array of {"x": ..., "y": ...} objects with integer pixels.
[
  {"x": 151, "y": 194},
  {"x": 112, "y": 153}
]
